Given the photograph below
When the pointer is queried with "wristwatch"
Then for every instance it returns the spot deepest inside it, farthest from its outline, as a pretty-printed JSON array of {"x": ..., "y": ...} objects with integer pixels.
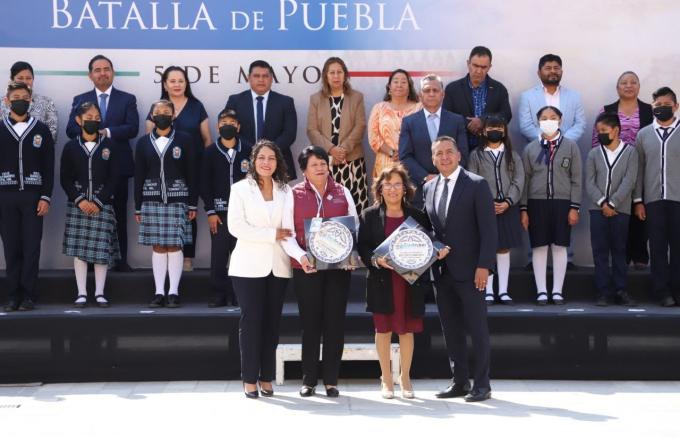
[{"x": 391, "y": 153}]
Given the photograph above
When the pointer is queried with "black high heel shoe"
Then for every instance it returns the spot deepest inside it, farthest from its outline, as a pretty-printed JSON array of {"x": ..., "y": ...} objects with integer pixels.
[
  {"x": 266, "y": 393},
  {"x": 307, "y": 391},
  {"x": 332, "y": 392},
  {"x": 251, "y": 394}
]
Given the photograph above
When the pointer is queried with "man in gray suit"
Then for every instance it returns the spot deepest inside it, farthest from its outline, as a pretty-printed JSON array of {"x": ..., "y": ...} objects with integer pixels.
[{"x": 460, "y": 207}]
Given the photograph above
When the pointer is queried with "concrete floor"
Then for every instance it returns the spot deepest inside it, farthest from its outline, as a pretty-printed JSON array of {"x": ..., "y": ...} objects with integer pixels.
[{"x": 218, "y": 408}]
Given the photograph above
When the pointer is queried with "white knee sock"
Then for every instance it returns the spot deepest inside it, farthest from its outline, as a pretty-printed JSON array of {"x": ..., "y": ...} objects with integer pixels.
[
  {"x": 503, "y": 267},
  {"x": 559, "y": 254},
  {"x": 100, "y": 271},
  {"x": 80, "y": 268},
  {"x": 540, "y": 263},
  {"x": 489, "y": 286},
  {"x": 159, "y": 264},
  {"x": 175, "y": 265}
]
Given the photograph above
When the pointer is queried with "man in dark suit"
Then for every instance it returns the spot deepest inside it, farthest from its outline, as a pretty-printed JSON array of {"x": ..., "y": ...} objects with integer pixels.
[
  {"x": 460, "y": 207},
  {"x": 476, "y": 95},
  {"x": 419, "y": 130},
  {"x": 120, "y": 122},
  {"x": 264, "y": 113}
]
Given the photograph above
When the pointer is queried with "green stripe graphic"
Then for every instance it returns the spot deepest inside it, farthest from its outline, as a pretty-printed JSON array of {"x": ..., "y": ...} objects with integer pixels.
[{"x": 81, "y": 73}]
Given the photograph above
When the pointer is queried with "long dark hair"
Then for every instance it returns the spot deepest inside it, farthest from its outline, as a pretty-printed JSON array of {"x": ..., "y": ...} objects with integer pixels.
[
  {"x": 412, "y": 95},
  {"x": 497, "y": 120},
  {"x": 280, "y": 175},
  {"x": 164, "y": 78}
]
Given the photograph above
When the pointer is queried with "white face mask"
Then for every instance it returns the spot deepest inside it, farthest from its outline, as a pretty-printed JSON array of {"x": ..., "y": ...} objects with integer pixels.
[{"x": 549, "y": 127}]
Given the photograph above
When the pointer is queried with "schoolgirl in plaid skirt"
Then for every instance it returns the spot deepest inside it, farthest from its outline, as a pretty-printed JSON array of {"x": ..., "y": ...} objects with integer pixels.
[
  {"x": 89, "y": 173},
  {"x": 166, "y": 194}
]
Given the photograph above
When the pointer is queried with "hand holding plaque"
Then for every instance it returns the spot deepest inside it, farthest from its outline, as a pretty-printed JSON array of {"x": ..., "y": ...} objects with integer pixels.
[
  {"x": 331, "y": 243},
  {"x": 409, "y": 250}
]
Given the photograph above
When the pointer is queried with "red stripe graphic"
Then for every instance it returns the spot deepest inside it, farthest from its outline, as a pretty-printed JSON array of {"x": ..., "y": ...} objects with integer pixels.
[{"x": 387, "y": 73}]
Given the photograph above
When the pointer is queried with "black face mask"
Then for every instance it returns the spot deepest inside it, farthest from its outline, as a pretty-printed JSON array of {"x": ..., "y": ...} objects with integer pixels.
[
  {"x": 91, "y": 127},
  {"x": 495, "y": 136},
  {"x": 228, "y": 131},
  {"x": 20, "y": 107},
  {"x": 662, "y": 113},
  {"x": 604, "y": 139},
  {"x": 162, "y": 121}
]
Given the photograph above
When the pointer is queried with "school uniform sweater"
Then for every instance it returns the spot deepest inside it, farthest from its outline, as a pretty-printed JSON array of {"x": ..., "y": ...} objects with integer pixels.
[
  {"x": 27, "y": 160},
  {"x": 659, "y": 163},
  {"x": 506, "y": 185},
  {"x": 219, "y": 172},
  {"x": 167, "y": 175},
  {"x": 610, "y": 180},
  {"x": 559, "y": 179},
  {"x": 89, "y": 175}
]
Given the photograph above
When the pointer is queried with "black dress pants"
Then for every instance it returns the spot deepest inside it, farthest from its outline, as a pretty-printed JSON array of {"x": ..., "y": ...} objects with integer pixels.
[
  {"x": 663, "y": 219},
  {"x": 462, "y": 311},
  {"x": 223, "y": 244},
  {"x": 637, "y": 241},
  {"x": 261, "y": 302},
  {"x": 120, "y": 209},
  {"x": 21, "y": 231},
  {"x": 322, "y": 301}
]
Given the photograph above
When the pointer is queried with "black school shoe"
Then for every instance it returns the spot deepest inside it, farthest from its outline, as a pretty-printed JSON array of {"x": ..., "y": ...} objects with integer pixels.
[
  {"x": 26, "y": 305},
  {"x": 173, "y": 301},
  {"x": 11, "y": 306},
  {"x": 158, "y": 301}
]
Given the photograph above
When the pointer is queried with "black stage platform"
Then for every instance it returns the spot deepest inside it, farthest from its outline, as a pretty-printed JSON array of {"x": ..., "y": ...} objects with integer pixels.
[{"x": 128, "y": 341}]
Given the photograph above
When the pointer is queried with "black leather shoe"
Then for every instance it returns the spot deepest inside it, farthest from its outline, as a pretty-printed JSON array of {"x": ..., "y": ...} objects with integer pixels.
[
  {"x": 173, "y": 301},
  {"x": 123, "y": 267},
  {"x": 11, "y": 306},
  {"x": 571, "y": 267},
  {"x": 252, "y": 394},
  {"x": 601, "y": 301},
  {"x": 332, "y": 392},
  {"x": 667, "y": 302},
  {"x": 455, "y": 390},
  {"x": 478, "y": 395},
  {"x": 157, "y": 301},
  {"x": 307, "y": 391},
  {"x": 219, "y": 301},
  {"x": 624, "y": 299},
  {"x": 26, "y": 305},
  {"x": 232, "y": 301}
]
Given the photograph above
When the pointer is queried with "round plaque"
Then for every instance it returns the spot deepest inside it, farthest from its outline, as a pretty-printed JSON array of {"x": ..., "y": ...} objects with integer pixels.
[
  {"x": 332, "y": 243},
  {"x": 411, "y": 249}
]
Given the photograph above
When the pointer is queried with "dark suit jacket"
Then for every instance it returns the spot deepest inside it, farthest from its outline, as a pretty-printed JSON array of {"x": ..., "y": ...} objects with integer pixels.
[
  {"x": 415, "y": 147},
  {"x": 280, "y": 122},
  {"x": 122, "y": 120},
  {"x": 646, "y": 115},
  {"x": 379, "y": 282},
  {"x": 470, "y": 229},
  {"x": 458, "y": 99}
]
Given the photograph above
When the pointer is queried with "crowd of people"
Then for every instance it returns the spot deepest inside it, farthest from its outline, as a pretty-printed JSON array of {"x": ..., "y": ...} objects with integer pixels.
[{"x": 443, "y": 156}]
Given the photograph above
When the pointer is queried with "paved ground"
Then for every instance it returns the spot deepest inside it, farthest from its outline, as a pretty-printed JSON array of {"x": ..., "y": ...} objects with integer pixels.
[{"x": 218, "y": 408}]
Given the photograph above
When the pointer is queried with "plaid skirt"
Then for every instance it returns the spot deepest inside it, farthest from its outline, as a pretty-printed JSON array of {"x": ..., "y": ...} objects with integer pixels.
[
  {"x": 165, "y": 225},
  {"x": 92, "y": 238}
]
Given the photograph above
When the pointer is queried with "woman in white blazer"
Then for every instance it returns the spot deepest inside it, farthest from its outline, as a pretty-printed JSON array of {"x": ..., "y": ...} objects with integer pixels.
[{"x": 259, "y": 268}]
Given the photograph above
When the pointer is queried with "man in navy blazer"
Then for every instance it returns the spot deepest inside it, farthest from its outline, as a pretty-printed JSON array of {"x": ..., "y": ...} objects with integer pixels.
[
  {"x": 477, "y": 94},
  {"x": 120, "y": 122},
  {"x": 419, "y": 130},
  {"x": 460, "y": 207},
  {"x": 264, "y": 113}
]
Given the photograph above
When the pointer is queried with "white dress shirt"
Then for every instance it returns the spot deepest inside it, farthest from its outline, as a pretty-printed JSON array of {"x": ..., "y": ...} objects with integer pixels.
[
  {"x": 453, "y": 177},
  {"x": 264, "y": 109},
  {"x": 162, "y": 143},
  {"x": 552, "y": 99},
  {"x": 613, "y": 154},
  {"x": 89, "y": 145},
  {"x": 497, "y": 151},
  {"x": 21, "y": 127}
]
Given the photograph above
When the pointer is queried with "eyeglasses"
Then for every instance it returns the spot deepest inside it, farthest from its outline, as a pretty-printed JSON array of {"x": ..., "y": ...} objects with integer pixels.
[{"x": 397, "y": 186}]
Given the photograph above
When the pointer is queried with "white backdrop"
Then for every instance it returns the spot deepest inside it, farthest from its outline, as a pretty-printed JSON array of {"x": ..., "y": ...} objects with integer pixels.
[{"x": 597, "y": 41}]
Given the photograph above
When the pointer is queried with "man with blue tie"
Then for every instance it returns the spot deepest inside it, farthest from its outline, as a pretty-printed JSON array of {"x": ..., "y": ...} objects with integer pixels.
[
  {"x": 120, "y": 122},
  {"x": 264, "y": 113},
  {"x": 419, "y": 130}
]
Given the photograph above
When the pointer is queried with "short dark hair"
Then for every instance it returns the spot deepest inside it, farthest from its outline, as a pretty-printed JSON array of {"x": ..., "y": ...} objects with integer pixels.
[
  {"x": 13, "y": 86},
  {"x": 545, "y": 108},
  {"x": 385, "y": 174},
  {"x": 310, "y": 151},
  {"x": 227, "y": 113},
  {"x": 86, "y": 106},
  {"x": 18, "y": 67},
  {"x": 665, "y": 91},
  {"x": 496, "y": 121},
  {"x": 549, "y": 58},
  {"x": 164, "y": 78},
  {"x": 98, "y": 58},
  {"x": 412, "y": 94},
  {"x": 260, "y": 64},
  {"x": 162, "y": 102},
  {"x": 446, "y": 138},
  {"x": 610, "y": 119},
  {"x": 480, "y": 51}
]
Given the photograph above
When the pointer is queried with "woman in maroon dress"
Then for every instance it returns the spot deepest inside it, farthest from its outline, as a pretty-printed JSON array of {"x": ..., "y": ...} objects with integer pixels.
[{"x": 396, "y": 306}]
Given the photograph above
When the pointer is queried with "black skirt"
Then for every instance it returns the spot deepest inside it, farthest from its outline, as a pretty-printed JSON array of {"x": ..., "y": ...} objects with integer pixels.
[
  {"x": 549, "y": 222},
  {"x": 509, "y": 229}
]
